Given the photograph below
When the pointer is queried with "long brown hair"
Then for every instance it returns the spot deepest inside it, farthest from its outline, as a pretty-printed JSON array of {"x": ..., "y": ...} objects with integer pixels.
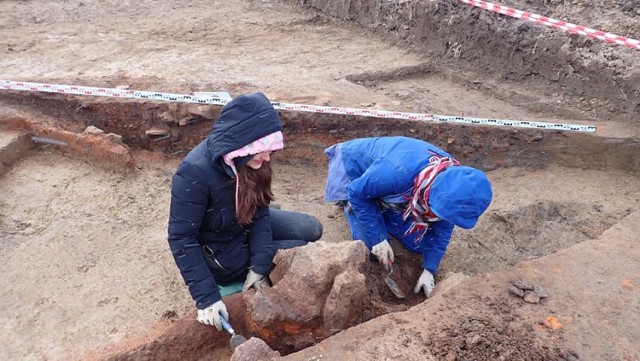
[{"x": 254, "y": 190}]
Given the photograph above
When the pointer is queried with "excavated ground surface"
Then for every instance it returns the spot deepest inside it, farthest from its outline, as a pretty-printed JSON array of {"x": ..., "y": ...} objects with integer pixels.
[
  {"x": 588, "y": 74},
  {"x": 591, "y": 312},
  {"x": 99, "y": 212},
  {"x": 87, "y": 269}
]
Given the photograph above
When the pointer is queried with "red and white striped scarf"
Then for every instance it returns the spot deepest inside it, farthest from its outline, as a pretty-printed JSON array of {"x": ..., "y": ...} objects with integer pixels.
[{"x": 418, "y": 206}]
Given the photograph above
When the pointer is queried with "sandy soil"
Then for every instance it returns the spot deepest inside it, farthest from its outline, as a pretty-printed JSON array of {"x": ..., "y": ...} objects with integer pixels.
[
  {"x": 86, "y": 264},
  {"x": 88, "y": 255},
  {"x": 108, "y": 274}
]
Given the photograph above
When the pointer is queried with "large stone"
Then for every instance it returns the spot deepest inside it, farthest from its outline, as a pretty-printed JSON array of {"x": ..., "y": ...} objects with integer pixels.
[
  {"x": 254, "y": 349},
  {"x": 347, "y": 294},
  {"x": 296, "y": 302}
]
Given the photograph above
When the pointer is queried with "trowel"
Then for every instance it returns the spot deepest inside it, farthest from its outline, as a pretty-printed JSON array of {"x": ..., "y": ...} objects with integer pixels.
[
  {"x": 392, "y": 284},
  {"x": 236, "y": 340}
]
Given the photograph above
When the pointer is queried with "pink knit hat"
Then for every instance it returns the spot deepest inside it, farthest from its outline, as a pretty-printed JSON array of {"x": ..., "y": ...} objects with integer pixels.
[{"x": 269, "y": 143}]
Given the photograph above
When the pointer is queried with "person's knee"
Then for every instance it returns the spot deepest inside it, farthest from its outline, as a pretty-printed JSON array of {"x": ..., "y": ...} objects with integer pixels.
[
  {"x": 316, "y": 230},
  {"x": 288, "y": 244}
]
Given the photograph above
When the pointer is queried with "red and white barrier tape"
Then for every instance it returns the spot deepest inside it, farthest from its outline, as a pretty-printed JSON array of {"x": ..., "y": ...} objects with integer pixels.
[
  {"x": 557, "y": 24},
  {"x": 205, "y": 99}
]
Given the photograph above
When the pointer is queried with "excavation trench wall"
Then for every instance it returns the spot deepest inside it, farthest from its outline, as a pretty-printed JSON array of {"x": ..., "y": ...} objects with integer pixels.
[
  {"x": 173, "y": 129},
  {"x": 454, "y": 34}
]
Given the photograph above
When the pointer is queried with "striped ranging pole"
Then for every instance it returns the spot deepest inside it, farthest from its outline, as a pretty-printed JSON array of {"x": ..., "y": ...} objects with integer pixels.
[
  {"x": 208, "y": 99},
  {"x": 553, "y": 23}
]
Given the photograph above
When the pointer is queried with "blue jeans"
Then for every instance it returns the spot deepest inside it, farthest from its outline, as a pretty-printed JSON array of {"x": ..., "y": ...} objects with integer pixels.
[
  {"x": 288, "y": 229},
  {"x": 293, "y": 229}
]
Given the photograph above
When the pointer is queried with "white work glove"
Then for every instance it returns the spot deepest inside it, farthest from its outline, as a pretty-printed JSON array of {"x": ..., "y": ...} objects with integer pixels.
[
  {"x": 384, "y": 253},
  {"x": 254, "y": 280},
  {"x": 425, "y": 283},
  {"x": 211, "y": 315}
]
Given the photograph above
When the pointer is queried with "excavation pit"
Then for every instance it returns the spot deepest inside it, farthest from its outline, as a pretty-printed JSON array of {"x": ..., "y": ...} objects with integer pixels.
[
  {"x": 102, "y": 202},
  {"x": 87, "y": 273}
]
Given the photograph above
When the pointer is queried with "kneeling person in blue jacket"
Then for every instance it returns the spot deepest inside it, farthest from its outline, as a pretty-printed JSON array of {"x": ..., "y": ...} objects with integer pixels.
[
  {"x": 406, "y": 188},
  {"x": 221, "y": 228}
]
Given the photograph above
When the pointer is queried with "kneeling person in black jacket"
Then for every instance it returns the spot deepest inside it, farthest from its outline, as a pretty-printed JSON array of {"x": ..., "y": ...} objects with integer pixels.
[{"x": 221, "y": 229}]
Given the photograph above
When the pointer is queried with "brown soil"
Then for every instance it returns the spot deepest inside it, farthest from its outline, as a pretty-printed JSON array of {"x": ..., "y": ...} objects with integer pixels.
[{"x": 86, "y": 269}]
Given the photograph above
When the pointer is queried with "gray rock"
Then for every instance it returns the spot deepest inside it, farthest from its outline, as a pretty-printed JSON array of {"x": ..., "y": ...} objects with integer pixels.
[
  {"x": 114, "y": 138},
  {"x": 155, "y": 131},
  {"x": 254, "y": 349},
  {"x": 472, "y": 340},
  {"x": 93, "y": 130},
  {"x": 515, "y": 290},
  {"x": 531, "y": 297},
  {"x": 523, "y": 285},
  {"x": 540, "y": 291}
]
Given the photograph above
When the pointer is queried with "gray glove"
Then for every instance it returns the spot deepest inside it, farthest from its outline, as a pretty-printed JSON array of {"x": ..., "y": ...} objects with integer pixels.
[
  {"x": 254, "y": 280},
  {"x": 211, "y": 315},
  {"x": 425, "y": 283},
  {"x": 384, "y": 253}
]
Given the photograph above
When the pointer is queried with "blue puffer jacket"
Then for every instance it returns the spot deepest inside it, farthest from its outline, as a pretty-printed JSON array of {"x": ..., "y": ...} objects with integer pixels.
[
  {"x": 207, "y": 243},
  {"x": 369, "y": 170}
]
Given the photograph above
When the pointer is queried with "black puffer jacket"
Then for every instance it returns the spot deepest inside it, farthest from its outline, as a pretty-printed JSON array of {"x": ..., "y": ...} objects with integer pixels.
[{"x": 207, "y": 243}]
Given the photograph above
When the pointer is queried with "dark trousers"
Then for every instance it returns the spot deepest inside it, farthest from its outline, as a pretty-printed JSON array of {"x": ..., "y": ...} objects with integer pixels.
[{"x": 293, "y": 229}]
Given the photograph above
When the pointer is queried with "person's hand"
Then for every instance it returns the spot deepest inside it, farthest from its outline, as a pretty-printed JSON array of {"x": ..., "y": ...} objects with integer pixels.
[
  {"x": 211, "y": 315},
  {"x": 384, "y": 253},
  {"x": 425, "y": 283},
  {"x": 254, "y": 280}
]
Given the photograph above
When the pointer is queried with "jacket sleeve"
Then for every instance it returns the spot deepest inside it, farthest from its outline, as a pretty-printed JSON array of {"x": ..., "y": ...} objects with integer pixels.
[
  {"x": 189, "y": 196},
  {"x": 363, "y": 192},
  {"x": 261, "y": 243},
  {"x": 435, "y": 244}
]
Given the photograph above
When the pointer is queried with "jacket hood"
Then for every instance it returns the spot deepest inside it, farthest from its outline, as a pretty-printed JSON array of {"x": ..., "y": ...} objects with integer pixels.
[
  {"x": 242, "y": 121},
  {"x": 460, "y": 195}
]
